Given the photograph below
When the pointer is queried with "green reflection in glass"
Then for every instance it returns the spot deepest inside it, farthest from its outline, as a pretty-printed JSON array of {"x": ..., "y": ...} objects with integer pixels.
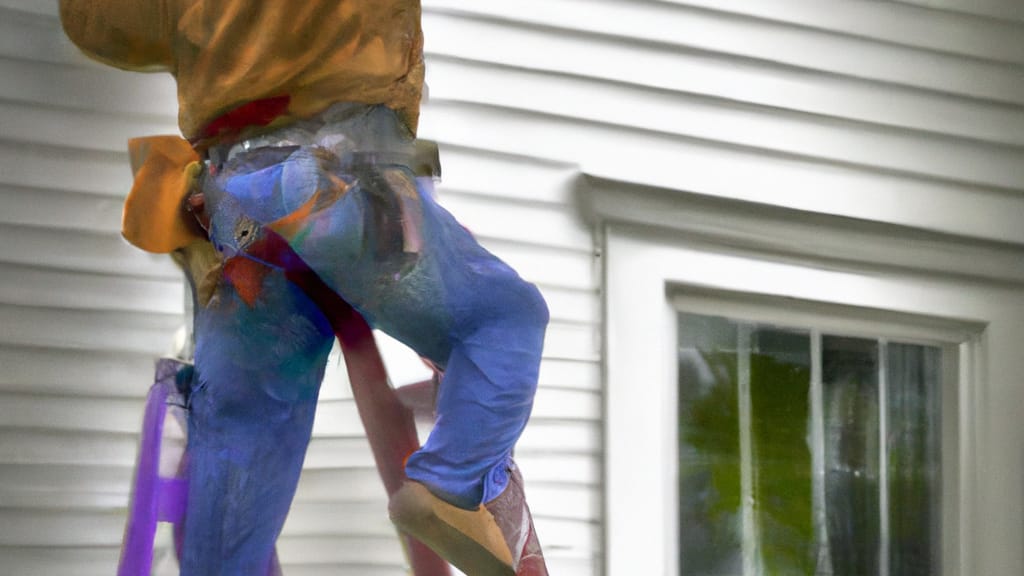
[
  {"x": 780, "y": 379},
  {"x": 709, "y": 458},
  {"x": 781, "y": 531}
]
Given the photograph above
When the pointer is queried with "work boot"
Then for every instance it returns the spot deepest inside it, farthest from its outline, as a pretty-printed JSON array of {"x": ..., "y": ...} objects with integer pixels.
[{"x": 496, "y": 539}]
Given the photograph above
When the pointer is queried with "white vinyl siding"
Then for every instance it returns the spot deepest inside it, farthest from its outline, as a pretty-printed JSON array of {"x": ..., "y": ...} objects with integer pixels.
[
  {"x": 752, "y": 101},
  {"x": 880, "y": 141},
  {"x": 83, "y": 315}
]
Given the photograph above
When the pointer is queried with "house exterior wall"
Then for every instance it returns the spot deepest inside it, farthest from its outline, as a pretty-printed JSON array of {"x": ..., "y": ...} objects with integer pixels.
[
  {"x": 889, "y": 113},
  {"x": 83, "y": 313},
  {"x": 761, "y": 125}
]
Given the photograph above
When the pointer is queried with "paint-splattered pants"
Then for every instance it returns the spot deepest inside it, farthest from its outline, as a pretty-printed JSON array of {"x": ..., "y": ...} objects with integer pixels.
[{"x": 340, "y": 192}]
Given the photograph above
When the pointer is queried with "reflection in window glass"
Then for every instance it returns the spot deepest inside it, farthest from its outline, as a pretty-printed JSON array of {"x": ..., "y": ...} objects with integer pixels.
[
  {"x": 783, "y": 474},
  {"x": 915, "y": 466},
  {"x": 850, "y": 386},
  {"x": 709, "y": 449},
  {"x": 782, "y": 484}
]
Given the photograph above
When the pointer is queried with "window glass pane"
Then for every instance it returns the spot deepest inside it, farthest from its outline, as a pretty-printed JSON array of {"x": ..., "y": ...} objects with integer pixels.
[
  {"x": 914, "y": 455},
  {"x": 779, "y": 474},
  {"x": 850, "y": 391},
  {"x": 780, "y": 380},
  {"x": 709, "y": 459}
]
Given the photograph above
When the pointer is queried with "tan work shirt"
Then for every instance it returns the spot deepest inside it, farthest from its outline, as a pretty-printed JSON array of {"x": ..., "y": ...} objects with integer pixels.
[{"x": 227, "y": 53}]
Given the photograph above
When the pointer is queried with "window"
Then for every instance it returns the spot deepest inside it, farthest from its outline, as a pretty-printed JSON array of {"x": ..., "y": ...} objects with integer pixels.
[
  {"x": 652, "y": 278},
  {"x": 806, "y": 452}
]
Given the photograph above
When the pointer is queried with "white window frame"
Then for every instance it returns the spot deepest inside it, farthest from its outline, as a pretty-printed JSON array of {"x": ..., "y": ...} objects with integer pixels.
[{"x": 646, "y": 274}]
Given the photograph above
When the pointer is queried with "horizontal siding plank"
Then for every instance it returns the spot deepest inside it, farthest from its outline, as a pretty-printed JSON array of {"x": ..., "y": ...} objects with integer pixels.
[
  {"x": 31, "y": 124},
  {"x": 826, "y": 96},
  {"x": 75, "y": 372},
  {"x": 61, "y": 528},
  {"x": 84, "y": 478},
  {"x": 51, "y": 560},
  {"x": 694, "y": 22},
  {"x": 578, "y": 373},
  {"x": 566, "y": 502},
  {"x": 890, "y": 22},
  {"x": 50, "y": 447},
  {"x": 884, "y": 101},
  {"x": 561, "y": 537},
  {"x": 105, "y": 487},
  {"x": 777, "y": 30},
  {"x": 335, "y": 384},
  {"x": 546, "y": 266},
  {"x": 337, "y": 418},
  {"x": 567, "y": 538},
  {"x": 62, "y": 500},
  {"x": 31, "y": 36},
  {"x": 36, "y": 287},
  {"x": 104, "y": 528},
  {"x": 91, "y": 87},
  {"x": 765, "y": 45},
  {"x": 49, "y": 208},
  {"x": 879, "y": 147},
  {"x": 133, "y": 332},
  {"x": 31, "y": 7},
  {"x": 551, "y": 437},
  {"x": 573, "y": 306},
  {"x": 336, "y": 453},
  {"x": 64, "y": 168},
  {"x": 567, "y": 403},
  {"x": 313, "y": 550},
  {"x": 543, "y": 437},
  {"x": 322, "y": 523},
  {"x": 350, "y": 484},
  {"x": 91, "y": 252},
  {"x": 360, "y": 519},
  {"x": 572, "y": 341},
  {"x": 343, "y": 570},
  {"x": 404, "y": 366},
  {"x": 570, "y": 374},
  {"x": 70, "y": 414},
  {"x": 559, "y": 227},
  {"x": 584, "y": 470},
  {"x": 678, "y": 164},
  {"x": 1006, "y": 9},
  {"x": 572, "y": 566},
  {"x": 514, "y": 177},
  {"x": 324, "y": 458}
]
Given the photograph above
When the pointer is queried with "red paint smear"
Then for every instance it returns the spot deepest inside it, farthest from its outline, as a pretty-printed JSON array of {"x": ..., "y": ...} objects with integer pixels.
[{"x": 255, "y": 113}]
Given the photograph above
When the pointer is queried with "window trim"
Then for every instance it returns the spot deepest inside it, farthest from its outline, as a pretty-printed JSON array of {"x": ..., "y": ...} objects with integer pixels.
[{"x": 644, "y": 273}]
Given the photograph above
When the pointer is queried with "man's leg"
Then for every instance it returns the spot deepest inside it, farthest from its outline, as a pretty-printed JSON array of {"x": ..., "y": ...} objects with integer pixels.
[
  {"x": 251, "y": 407},
  {"x": 466, "y": 495}
]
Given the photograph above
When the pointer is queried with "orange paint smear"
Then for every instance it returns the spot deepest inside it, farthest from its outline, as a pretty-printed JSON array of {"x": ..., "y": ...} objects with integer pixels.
[{"x": 247, "y": 277}]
